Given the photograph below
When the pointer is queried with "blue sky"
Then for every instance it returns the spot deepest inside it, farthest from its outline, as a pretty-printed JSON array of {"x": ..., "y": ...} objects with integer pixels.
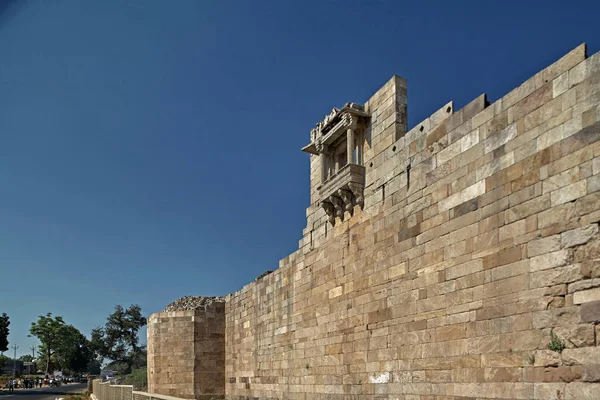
[{"x": 151, "y": 150}]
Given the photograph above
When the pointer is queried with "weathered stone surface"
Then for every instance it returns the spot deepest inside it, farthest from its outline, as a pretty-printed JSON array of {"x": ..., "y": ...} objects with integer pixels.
[
  {"x": 582, "y": 391},
  {"x": 549, "y": 391},
  {"x": 576, "y": 335},
  {"x": 590, "y": 312},
  {"x": 547, "y": 358},
  {"x": 578, "y": 236},
  {"x": 583, "y": 356},
  {"x": 568, "y": 193},
  {"x": 550, "y": 260},
  {"x": 583, "y": 285},
  {"x": 586, "y": 296},
  {"x": 543, "y": 245},
  {"x": 591, "y": 373}
]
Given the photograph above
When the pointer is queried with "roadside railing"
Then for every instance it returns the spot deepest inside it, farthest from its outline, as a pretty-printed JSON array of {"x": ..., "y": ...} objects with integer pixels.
[{"x": 106, "y": 391}]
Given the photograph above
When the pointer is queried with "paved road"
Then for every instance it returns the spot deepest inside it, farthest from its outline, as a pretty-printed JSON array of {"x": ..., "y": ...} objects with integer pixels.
[{"x": 45, "y": 393}]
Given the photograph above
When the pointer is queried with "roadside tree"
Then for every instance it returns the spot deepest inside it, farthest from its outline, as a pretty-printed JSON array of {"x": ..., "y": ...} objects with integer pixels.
[
  {"x": 4, "y": 324},
  {"x": 118, "y": 340},
  {"x": 48, "y": 330}
]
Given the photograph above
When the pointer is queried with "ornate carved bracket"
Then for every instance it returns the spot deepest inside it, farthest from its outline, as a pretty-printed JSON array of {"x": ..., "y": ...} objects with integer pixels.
[
  {"x": 338, "y": 204},
  {"x": 358, "y": 192},
  {"x": 346, "y": 196},
  {"x": 328, "y": 207}
]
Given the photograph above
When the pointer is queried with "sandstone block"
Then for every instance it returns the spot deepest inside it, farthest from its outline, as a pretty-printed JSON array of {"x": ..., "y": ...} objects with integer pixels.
[
  {"x": 547, "y": 358},
  {"x": 576, "y": 335},
  {"x": 512, "y": 230},
  {"x": 593, "y": 184},
  {"x": 543, "y": 246},
  {"x": 583, "y": 356},
  {"x": 591, "y": 373},
  {"x": 586, "y": 296},
  {"x": 560, "y": 84},
  {"x": 583, "y": 285},
  {"x": 527, "y": 208},
  {"x": 569, "y": 193},
  {"x": 557, "y": 317},
  {"x": 582, "y": 391},
  {"x": 588, "y": 251},
  {"x": 563, "y": 374},
  {"x": 550, "y": 260},
  {"x": 556, "y": 215},
  {"x": 557, "y": 290},
  {"x": 561, "y": 180},
  {"x": 549, "y": 391},
  {"x": 590, "y": 312},
  {"x": 578, "y": 236}
]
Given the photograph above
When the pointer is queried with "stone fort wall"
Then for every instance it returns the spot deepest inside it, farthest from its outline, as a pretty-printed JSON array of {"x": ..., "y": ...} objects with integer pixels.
[
  {"x": 477, "y": 247},
  {"x": 469, "y": 270}
]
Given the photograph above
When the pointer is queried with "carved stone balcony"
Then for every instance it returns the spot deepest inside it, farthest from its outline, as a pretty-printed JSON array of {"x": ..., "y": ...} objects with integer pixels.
[{"x": 343, "y": 191}]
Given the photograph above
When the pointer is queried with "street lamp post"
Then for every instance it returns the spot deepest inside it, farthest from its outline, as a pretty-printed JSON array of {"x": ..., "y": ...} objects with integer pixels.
[{"x": 15, "y": 347}]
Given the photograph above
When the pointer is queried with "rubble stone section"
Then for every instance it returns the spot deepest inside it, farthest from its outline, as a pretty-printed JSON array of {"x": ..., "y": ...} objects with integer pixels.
[
  {"x": 186, "y": 349},
  {"x": 471, "y": 271},
  {"x": 192, "y": 303}
]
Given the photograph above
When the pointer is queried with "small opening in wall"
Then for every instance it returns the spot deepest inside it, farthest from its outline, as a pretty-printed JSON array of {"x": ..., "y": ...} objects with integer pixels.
[
  {"x": 422, "y": 128},
  {"x": 448, "y": 109},
  {"x": 370, "y": 165},
  {"x": 394, "y": 148}
]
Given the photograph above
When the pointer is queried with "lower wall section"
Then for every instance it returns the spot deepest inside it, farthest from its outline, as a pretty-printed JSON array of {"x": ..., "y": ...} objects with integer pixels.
[{"x": 186, "y": 353}]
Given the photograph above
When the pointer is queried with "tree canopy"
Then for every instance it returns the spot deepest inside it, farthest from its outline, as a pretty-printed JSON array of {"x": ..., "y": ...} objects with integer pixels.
[
  {"x": 26, "y": 358},
  {"x": 48, "y": 331},
  {"x": 73, "y": 352},
  {"x": 4, "y": 323},
  {"x": 62, "y": 346},
  {"x": 118, "y": 340}
]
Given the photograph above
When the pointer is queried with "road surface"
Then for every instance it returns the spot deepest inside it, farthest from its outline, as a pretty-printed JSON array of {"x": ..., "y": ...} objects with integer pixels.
[{"x": 45, "y": 393}]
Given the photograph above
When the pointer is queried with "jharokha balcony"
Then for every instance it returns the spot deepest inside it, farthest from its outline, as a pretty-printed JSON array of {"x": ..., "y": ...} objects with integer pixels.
[
  {"x": 342, "y": 191},
  {"x": 339, "y": 142}
]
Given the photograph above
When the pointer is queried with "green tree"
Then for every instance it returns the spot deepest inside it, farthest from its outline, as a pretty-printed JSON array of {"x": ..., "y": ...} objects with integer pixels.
[
  {"x": 118, "y": 340},
  {"x": 4, "y": 324},
  {"x": 94, "y": 367},
  {"x": 72, "y": 350},
  {"x": 3, "y": 359},
  {"x": 48, "y": 330},
  {"x": 26, "y": 358}
]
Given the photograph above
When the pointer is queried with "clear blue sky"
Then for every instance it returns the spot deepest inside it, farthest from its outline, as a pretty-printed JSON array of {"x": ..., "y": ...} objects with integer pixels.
[{"x": 151, "y": 150}]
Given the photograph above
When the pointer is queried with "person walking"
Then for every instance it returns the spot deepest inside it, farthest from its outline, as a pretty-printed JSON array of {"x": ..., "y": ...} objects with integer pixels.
[{"x": 10, "y": 386}]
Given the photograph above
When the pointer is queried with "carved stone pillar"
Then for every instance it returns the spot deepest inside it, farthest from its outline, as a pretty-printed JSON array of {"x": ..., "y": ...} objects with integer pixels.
[
  {"x": 350, "y": 145},
  {"x": 323, "y": 159}
]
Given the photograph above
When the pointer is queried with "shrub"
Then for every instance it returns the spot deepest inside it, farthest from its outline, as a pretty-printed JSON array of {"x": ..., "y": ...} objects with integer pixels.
[
  {"x": 556, "y": 344},
  {"x": 138, "y": 378}
]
